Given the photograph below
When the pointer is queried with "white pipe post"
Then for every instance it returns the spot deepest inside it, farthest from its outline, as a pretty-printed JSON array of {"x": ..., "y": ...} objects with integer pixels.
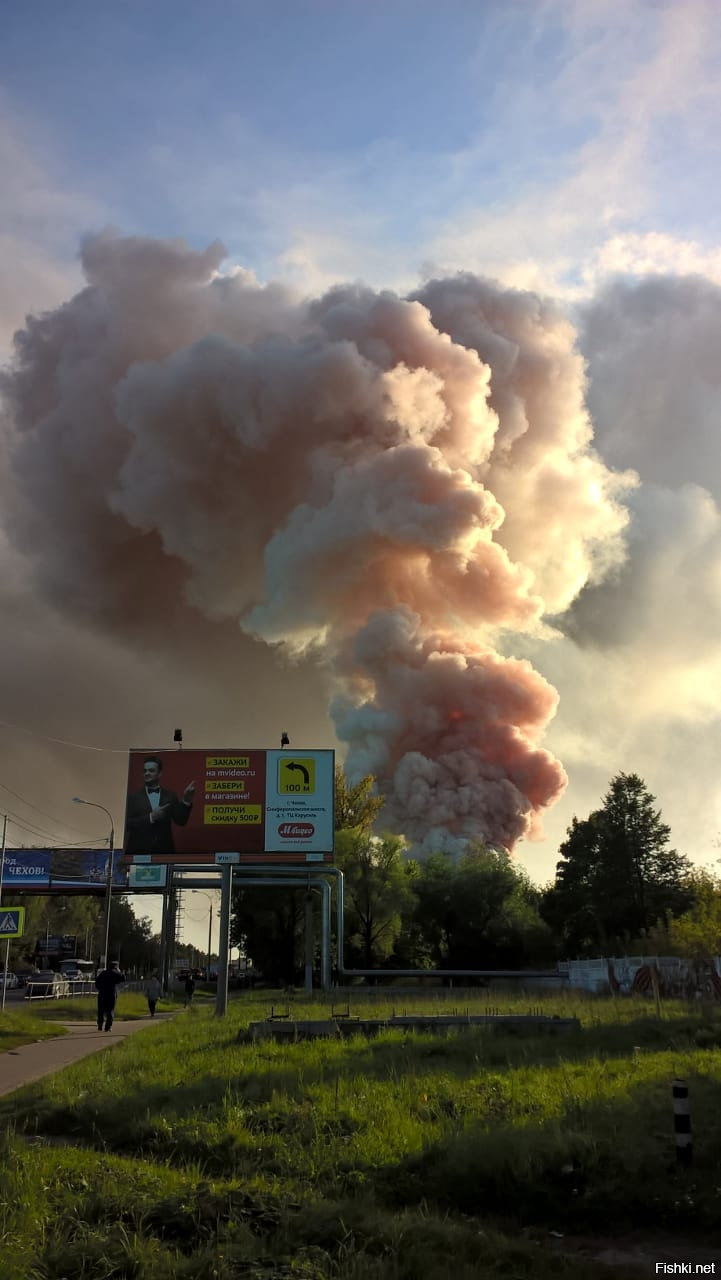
[{"x": 226, "y": 886}]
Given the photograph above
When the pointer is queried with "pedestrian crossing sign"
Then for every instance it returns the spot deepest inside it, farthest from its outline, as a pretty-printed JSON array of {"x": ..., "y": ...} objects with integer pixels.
[{"x": 12, "y": 922}]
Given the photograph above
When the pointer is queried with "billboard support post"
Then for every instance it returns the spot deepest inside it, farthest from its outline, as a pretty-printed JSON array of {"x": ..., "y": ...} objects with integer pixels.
[
  {"x": 226, "y": 886},
  {"x": 309, "y": 943},
  {"x": 109, "y": 894},
  {"x": 172, "y": 924},
  {"x": 325, "y": 936},
  {"x": 164, "y": 935}
]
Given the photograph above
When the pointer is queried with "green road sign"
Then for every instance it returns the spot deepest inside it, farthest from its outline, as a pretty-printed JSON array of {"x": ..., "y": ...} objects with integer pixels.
[{"x": 12, "y": 922}]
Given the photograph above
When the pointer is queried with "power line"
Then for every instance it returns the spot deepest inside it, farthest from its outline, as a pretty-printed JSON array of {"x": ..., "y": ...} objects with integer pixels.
[
  {"x": 81, "y": 746},
  {"x": 75, "y": 844},
  {"x": 30, "y": 805},
  {"x": 40, "y": 831},
  {"x": 17, "y": 821}
]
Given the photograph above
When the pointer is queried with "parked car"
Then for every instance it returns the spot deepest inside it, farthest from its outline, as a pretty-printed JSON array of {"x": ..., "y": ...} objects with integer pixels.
[{"x": 9, "y": 979}]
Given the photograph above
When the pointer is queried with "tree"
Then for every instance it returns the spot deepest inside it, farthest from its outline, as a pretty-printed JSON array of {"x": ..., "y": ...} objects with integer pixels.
[
  {"x": 616, "y": 877},
  {"x": 355, "y": 807},
  {"x": 377, "y": 891},
  {"x": 131, "y": 940},
  {"x": 480, "y": 913},
  {"x": 435, "y": 914},
  {"x": 268, "y": 924},
  {"x": 568, "y": 905},
  {"x": 697, "y": 933},
  {"x": 56, "y": 914}
]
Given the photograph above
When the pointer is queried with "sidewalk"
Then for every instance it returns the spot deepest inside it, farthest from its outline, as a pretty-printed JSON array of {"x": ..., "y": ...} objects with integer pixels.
[{"x": 43, "y": 1057}]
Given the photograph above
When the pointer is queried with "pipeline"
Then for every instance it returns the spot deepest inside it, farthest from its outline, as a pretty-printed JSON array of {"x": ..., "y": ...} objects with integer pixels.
[
  {"x": 293, "y": 874},
  {"x": 297, "y": 876}
]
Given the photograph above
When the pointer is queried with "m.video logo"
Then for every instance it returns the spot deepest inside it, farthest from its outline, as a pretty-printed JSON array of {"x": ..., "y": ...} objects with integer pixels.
[{"x": 296, "y": 830}]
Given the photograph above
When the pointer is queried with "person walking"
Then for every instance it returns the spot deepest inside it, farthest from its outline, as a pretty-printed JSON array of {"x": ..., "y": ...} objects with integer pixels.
[
  {"x": 189, "y": 989},
  {"x": 153, "y": 992},
  {"x": 107, "y": 982}
]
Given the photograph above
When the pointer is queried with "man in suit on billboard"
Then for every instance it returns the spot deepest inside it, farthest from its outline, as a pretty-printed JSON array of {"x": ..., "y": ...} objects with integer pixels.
[{"x": 151, "y": 812}]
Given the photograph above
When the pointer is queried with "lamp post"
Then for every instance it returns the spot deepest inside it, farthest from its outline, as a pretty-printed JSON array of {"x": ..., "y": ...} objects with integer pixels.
[
  {"x": 210, "y": 929},
  {"x": 109, "y": 885}
]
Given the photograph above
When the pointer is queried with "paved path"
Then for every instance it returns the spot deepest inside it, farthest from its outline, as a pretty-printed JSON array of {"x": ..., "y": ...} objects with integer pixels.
[{"x": 41, "y": 1058}]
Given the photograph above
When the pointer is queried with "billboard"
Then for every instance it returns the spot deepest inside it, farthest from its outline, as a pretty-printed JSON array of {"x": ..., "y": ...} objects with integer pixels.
[
  {"x": 61, "y": 944},
  {"x": 60, "y": 871},
  {"x": 269, "y": 806}
]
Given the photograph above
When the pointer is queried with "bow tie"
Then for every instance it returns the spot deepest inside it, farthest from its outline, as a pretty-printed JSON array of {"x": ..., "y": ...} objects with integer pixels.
[{"x": 153, "y": 790}]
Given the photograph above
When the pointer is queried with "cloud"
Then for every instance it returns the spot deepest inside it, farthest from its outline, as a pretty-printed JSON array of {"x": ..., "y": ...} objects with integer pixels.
[
  {"x": 628, "y": 148},
  {"x": 655, "y": 393},
  {"x": 636, "y": 660},
  {"x": 41, "y": 217}
]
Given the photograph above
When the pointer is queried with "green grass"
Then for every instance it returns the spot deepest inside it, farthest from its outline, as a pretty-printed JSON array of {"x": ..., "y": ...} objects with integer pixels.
[
  {"x": 131, "y": 1004},
  {"x": 193, "y": 1152},
  {"x": 17, "y": 1028}
]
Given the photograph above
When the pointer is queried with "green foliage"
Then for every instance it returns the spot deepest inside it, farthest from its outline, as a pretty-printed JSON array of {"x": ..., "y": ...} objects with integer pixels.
[
  {"x": 697, "y": 933},
  {"x": 131, "y": 939},
  {"x": 25, "y": 1027},
  {"x": 377, "y": 894},
  {"x": 616, "y": 878},
  {"x": 479, "y": 913},
  {"x": 187, "y": 1153},
  {"x": 269, "y": 925},
  {"x": 355, "y": 807},
  {"x": 82, "y": 916}
]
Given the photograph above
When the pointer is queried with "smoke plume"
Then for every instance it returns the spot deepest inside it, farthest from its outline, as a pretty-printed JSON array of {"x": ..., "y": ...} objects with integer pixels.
[{"x": 390, "y": 487}]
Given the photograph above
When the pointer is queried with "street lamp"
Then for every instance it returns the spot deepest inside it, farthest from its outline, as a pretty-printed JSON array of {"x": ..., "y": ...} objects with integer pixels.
[
  {"x": 210, "y": 929},
  {"x": 109, "y": 885}
]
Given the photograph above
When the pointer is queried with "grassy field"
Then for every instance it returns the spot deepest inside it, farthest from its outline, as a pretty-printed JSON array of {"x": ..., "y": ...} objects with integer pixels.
[
  {"x": 37, "y": 1017},
  {"x": 17, "y": 1027},
  {"x": 193, "y": 1152}
]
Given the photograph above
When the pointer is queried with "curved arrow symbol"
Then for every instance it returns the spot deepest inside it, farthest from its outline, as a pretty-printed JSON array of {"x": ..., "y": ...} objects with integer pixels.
[{"x": 306, "y": 776}]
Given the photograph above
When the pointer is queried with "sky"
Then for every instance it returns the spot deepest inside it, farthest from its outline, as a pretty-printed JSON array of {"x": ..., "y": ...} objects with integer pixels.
[{"x": 361, "y": 382}]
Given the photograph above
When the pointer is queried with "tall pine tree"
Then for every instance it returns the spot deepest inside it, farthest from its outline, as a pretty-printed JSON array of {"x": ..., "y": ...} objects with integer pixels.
[{"x": 616, "y": 877}]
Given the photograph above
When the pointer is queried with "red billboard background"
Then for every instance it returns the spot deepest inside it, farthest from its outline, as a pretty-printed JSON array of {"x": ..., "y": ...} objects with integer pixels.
[{"x": 228, "y": 808}]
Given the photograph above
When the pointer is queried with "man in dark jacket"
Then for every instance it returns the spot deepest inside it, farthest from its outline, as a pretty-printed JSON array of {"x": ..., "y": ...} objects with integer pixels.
[
  {"x": 107, "y": 982},
  {"x": 151, "y": 812}
]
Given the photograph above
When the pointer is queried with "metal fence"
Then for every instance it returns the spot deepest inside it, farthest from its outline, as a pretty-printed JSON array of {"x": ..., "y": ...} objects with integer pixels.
[
  {"x": 64, "y": 988},
  {"x": 58, "y": 990}
]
